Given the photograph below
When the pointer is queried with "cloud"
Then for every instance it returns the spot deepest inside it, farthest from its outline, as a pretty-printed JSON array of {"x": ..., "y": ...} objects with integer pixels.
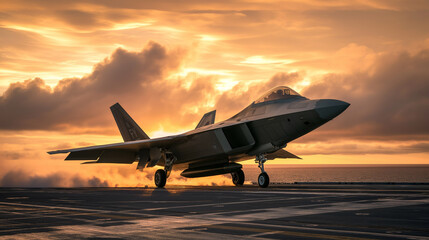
[
  {"x": 14, "y": 44},
  {"x": 133, "y": 78},
  {"x": 389, "y": 102},
  {"x": 64, "y": 39},
  {"x": 389, "y": 99},
  {"x": 19, "y": 178},
  {"x": 244, "y": 93},
  {"x": 78, "y": 18},
  {"x": 345, "y": 60},
  {"x": 14, "y": 155}
]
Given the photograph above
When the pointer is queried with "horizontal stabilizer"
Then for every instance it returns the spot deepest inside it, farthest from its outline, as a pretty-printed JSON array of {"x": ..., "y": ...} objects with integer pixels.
[
  {"x": 84, "y": 155},
  {"x": 281, "y": 154},
  {"x": 90, "y": 162},
  {"x": 277, "y": 154},
  {"x": 104, "y": 156},
  {"x": 129, "y": 129},
  {"x": 207, "y": 119}
]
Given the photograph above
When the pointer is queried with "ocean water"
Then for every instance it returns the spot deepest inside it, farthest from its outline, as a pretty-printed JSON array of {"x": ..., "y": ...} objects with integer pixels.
[{"x": 340, "y": 173}]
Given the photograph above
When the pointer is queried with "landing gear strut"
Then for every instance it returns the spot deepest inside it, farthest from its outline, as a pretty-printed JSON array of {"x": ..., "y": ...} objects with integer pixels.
[
  {"x": 238, "y": 177},
  {"x": 162, "y": 175},
  {"x": 263, "y": 179}
]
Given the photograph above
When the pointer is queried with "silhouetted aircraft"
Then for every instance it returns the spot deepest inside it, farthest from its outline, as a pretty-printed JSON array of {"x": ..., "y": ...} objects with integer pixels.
[{"x": 260, "y": 132}]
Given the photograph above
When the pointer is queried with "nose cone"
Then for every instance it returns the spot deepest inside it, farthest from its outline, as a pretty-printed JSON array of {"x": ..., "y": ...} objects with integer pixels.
[{"x": 330, "y": 108}]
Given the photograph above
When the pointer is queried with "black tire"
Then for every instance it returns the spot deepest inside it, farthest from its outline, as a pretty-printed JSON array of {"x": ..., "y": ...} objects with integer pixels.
[
  {"x": 160, "y": 178},
  {"x": 238, "y": 177},
  {"x": 263, "y": 180}
]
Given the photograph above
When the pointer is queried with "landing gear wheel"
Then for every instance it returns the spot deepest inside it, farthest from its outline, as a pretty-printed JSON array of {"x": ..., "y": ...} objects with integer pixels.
[
  {"x": 263, "y": 180},
  {"x": 160, "y": 178},
  {"x": 238, "y": 177}
]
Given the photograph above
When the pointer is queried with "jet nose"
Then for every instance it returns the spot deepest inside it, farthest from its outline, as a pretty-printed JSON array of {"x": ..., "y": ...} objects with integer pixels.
[{"x": 330, "y": 108}]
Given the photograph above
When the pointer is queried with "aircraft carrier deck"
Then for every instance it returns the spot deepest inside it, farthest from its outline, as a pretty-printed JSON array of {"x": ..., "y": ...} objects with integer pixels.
[{"x": 292, "y": 211}]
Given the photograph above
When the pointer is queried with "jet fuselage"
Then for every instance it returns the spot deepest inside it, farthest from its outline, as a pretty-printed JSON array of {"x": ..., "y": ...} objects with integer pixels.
[
  {"x": 259, "y": 131},
  {"x": 260, "y": 128}
]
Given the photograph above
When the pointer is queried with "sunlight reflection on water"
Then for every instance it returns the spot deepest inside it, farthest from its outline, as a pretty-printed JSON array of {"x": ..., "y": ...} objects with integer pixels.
[{"x": 338, "y": 173}]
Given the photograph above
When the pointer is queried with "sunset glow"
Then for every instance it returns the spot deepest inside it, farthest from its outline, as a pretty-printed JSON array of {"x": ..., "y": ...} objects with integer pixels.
[{"x": 63, "y": 64}]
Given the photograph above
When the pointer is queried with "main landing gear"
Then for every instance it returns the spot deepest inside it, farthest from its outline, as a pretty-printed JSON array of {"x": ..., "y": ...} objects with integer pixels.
[
  {"x": 160, "y": 178},
  {"x": 263, "y": 179},
  {"x": 238, "y": 177},
  {"x": 161, "y": 175}
]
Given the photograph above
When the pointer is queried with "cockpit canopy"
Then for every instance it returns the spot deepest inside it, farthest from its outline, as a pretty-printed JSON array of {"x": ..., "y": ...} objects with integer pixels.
[{"x": 277, "y": 93}]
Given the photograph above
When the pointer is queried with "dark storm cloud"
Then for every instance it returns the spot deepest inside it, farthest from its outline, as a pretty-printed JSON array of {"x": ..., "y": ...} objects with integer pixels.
[
  {"x": 389, "y": 102},
  {"x": 125, "y": 76},
  {"x": 141, "y": 81},
  {"x": 24, "y": 179}
]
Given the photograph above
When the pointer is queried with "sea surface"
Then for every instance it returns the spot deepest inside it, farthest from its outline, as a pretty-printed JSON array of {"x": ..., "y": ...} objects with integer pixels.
[{"x": 340, "y": 173}]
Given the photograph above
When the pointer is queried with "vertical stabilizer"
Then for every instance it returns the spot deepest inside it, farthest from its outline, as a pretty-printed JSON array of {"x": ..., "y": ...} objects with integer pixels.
[
  {"x": 129, "y": 129},
  {"x": 208, "y": 119}
]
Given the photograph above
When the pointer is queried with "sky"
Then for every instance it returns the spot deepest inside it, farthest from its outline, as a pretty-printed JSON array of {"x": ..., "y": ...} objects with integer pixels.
[{"x": 63, "y": 64}]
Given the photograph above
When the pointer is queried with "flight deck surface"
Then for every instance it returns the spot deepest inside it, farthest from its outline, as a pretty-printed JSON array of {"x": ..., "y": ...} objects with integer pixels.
[{"x": 293, "y": 211}]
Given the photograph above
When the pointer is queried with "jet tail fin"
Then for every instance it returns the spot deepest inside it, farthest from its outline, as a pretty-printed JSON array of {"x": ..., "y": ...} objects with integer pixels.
[
  {"x": 207, "y": 119},
  {"x": 129, "y": 129}
]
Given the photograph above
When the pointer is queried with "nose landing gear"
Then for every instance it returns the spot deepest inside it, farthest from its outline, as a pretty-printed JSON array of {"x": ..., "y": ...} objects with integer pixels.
[{"x": 263, "y": 179}]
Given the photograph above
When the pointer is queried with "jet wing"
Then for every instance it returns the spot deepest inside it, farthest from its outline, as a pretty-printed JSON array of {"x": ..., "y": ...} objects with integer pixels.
[{"x": 124, "y": 152}]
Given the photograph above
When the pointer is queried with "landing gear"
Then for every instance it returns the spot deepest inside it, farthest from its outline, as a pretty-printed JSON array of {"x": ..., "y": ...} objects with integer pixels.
[
  {"x": 238, "y": 177},
  {"x": 162, "y": 175},
  {"x": 169, "y": 160},
  {"x": 160, "y": 178},
  {"x": 263, "y": 179}
]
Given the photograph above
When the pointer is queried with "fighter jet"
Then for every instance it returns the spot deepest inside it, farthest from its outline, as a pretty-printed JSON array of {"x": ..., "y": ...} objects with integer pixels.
[{"x": 260, "y": 131}]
